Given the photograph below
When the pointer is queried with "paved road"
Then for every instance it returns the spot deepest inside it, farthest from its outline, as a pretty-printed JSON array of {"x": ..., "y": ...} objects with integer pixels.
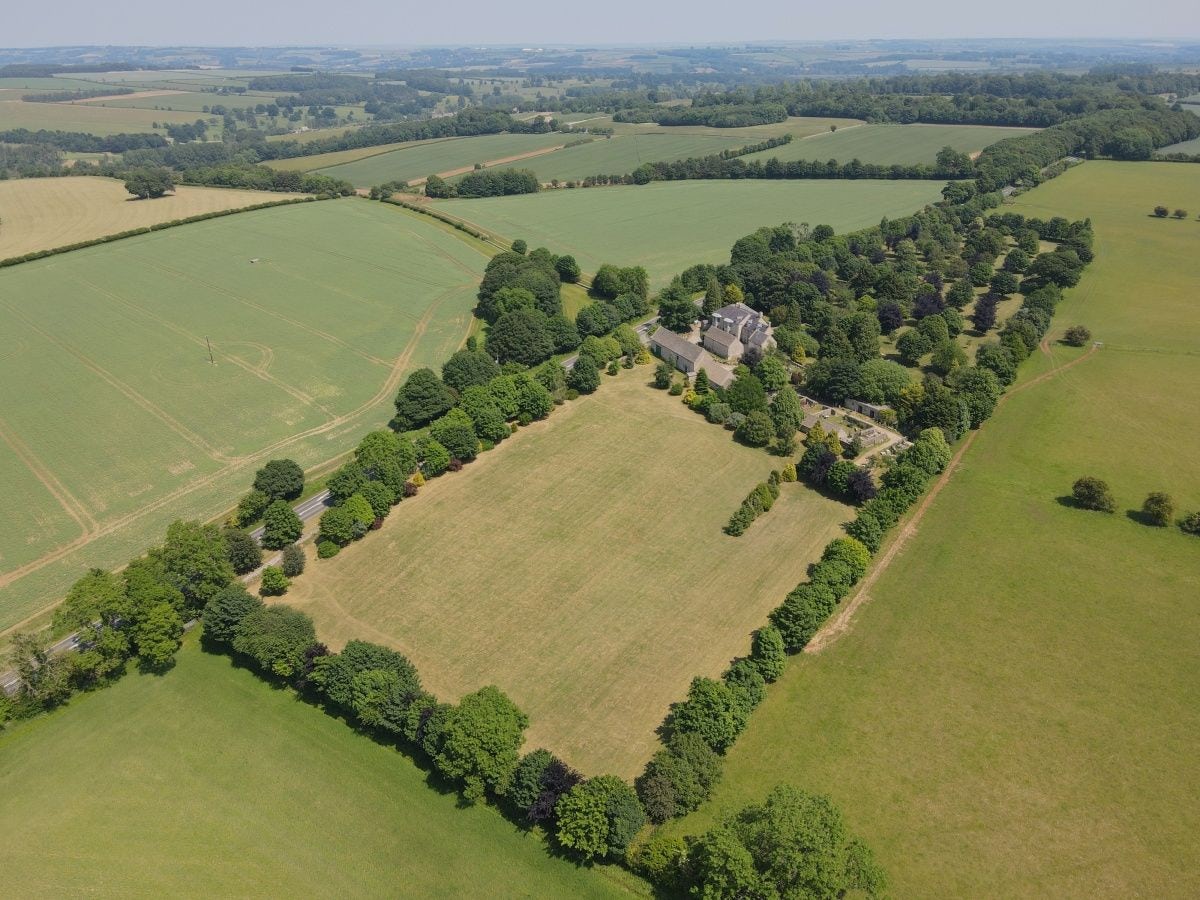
[{"x": 306, "y": 510}]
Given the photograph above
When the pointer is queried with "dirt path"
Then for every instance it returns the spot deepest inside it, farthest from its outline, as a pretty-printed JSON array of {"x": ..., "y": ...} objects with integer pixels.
[
  {"x": 489, "y": 164},
  {"x": 840, "y": 623}
]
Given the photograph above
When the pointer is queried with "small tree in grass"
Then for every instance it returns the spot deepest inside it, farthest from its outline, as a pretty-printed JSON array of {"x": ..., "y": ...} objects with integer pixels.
[
  {"x": 1093, "y": 493},
  {"x": 664, "y": 374},
  {"x": 1161, "y": 211},
  {"x": 244, "y": 553},
  {"x": 1190, "y": 524},
  {"x": 1077, "y": 336},
  {"x": 1159, "y": 509},
  {"x": 1180, "y": 214},
  {"x": 146, "y": 184}
]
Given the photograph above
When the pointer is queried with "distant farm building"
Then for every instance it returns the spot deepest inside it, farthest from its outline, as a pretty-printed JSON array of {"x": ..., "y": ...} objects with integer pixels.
[
  {"x": 736, "y": 328},
  {"x": 875, "y": 411},
  {"x": 689, "y": 358}
]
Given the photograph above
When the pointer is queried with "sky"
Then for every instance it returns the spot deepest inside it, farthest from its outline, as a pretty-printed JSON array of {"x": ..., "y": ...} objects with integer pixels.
[{"x": 532, "y": 22}]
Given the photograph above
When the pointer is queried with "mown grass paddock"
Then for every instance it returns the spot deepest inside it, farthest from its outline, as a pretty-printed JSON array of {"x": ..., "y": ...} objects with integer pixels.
[
  {"x": 43, "y": 213},
  {"x": 1012, "y": 712},
  {"x": 668, "y": 226},
  {"x": 581, "y": 566},
  {"x": 122, "y": 423},
  {"x": 206, "y": 781},
  {"x": 890, "y": 144},
  {"x": 93, "y": 119}
]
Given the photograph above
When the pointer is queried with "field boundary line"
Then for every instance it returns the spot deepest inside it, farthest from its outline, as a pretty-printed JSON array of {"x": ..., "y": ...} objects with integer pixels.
[
  {"x": 840, "y": 623},
  {"x": 488, "y": 164},
  {"x": 71, "y": 505}
]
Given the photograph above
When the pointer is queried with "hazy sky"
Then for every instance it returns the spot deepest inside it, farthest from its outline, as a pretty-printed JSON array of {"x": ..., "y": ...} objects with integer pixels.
[{"x": 374, "y": 22}]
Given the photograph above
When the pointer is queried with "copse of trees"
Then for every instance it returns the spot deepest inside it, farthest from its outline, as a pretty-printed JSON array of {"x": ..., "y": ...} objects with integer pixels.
[{"x": 146, "y": 184}]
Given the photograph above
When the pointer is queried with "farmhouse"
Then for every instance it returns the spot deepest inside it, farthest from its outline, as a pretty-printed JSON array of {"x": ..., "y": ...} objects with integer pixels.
[
  {"x": 689, "y": 358},
  {"x": 736, "y": 328}
]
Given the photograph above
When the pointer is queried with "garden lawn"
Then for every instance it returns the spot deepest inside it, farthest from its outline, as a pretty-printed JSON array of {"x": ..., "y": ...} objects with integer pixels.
[
  {"x": 43, "y": 213},
  {"x": 314, "y": 312},
  {"x": 1013, "y": 713},
  {"x": 208, "y": 782},
  {"x": 890, "y": 144},
  {"x": 581, "y": 567},
  {"x": 668, "y": 226}
]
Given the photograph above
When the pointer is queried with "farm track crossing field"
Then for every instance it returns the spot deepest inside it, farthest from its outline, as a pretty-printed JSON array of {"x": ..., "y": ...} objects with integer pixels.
[
  {"x": 43, "y": 213},
  {"x": 310, "y": 341},
  {"x": 432, "y": 157},
  {"x": 1013, "y": 712},
  {"x": 581, "y": 566},
  {"x": 622, "y": 154},
  {"x": 339, "y": 157},
  {"x": 86, "y": 117},
  {"x": 890, "y": 144},
  {"x": 668, "y": 226},
  {"x": 205, "y": 781}
]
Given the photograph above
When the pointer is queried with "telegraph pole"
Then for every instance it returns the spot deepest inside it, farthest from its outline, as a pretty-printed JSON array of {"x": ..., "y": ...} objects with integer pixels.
[{"x": 210, "y": 353}]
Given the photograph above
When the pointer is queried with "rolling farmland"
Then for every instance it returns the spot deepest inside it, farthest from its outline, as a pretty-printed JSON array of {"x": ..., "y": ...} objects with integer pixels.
[
  {"x": 167, "y": 813},
  {"x": 42, "y": 213},
  {"x": 889, "y": 144},
  {"x": 86, "y": 117},
  {"x": 432, "y": 157},
  {"x": 592, "y": 614},
  {"x": 310, "y": 342},
  {"x": 1013, "y": 712},
  {"x": 667, "y": 227}
]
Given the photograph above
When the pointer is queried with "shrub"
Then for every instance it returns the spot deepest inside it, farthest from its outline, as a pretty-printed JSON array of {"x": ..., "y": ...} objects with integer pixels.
[
  {"x": 712, "y": 712},
  {"x": 1161, "y": 211},
  {"x": 276, "y": 638},
  {"x": 251, "y": 507},
  {"x": 225, "y": 610},
  {"x": 245, "y": 555},
  {"x": 584, "y": 376},
  {"x": 479, "y": 741},
  {"x": 1093, "y": 493},
  {"x": 281, "y": 526},
  {"x": 1159, "y": 509},
  {"x": 326, "y": 549},
  {"x": 1190, "y": 524},
  {"x": 599, "y": 817},
  {"x": 274, "y": 582},
  {"x": 757, "y": 430},
  {"x": 293, "y": 561}
]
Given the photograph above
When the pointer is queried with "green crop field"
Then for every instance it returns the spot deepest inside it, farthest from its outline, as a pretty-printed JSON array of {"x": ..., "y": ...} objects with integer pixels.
[
  {"x": 122, "y": 424},
  {"x": 796, "y": 126},
  {"x": 338, "y": 157},
  {"x": 1013, "y": 713},
  {"x": 668, "y": 226},
  {"x": 207, "y": 782},
  {"x": 624, "y": 153},
  {"x": 87, "y": 117},
  {"x": 435, "y": 157},
  {"x": 598, "y": 580},
  {"x": 890, "y": 144}
]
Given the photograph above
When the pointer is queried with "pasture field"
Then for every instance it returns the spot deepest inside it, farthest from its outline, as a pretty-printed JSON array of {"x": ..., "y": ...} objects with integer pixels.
[
  {"x": 581, "y": 566},
  {"x": 622, "y": 154},
  {"x": 796, "y": 126},
  {"x": 1192, "y": 146},
  {"x": 889, "y": 144},
  {"x": 1013, "y": 712},
  {"x": 205, "y": 781},
  {"x": 87, "y": 117},
  {"x": 42, "y": 213},
  {"x": 339, "y": 157},
  {"x": 668, "y": 226},
  {"x": 182, "y": 100},
  {"x": 434, "y": 157},
  {"x": 122, "y": 424}
]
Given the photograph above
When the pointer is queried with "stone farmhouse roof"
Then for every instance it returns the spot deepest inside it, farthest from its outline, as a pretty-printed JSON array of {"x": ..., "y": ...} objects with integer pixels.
[
  {"x": 721, "y": 339},
  {"x": 677, "y": 344}
]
